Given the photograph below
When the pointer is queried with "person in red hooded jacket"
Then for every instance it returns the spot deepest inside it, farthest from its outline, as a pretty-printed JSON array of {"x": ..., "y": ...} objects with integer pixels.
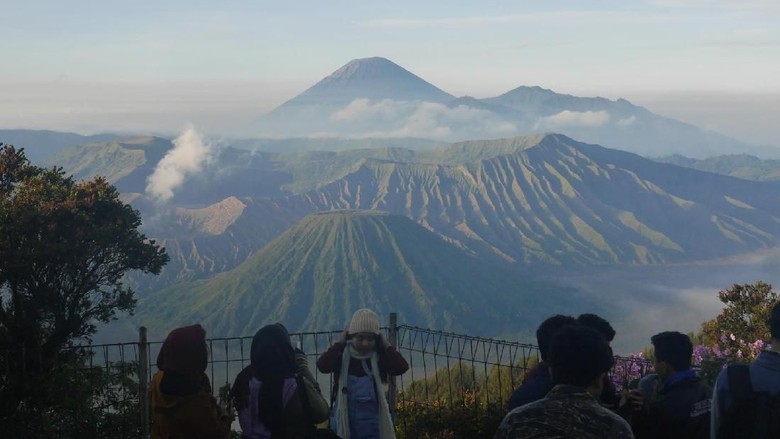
[{"x": 180, "y": 392}]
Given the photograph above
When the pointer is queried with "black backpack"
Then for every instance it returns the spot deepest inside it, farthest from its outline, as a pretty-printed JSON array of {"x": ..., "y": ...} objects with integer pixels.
[{"x": 751, "y": 414}]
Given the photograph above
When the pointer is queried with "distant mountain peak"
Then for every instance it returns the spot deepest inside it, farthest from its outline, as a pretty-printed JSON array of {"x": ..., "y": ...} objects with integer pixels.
[
  {"x": 376, "y": 67},
  {"x": 374, "y": 78}
]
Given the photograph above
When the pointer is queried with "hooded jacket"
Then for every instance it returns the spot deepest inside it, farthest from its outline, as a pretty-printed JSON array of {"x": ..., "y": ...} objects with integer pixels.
[
  {"x": 180, "y": 392},
  {"x": 181, "y": 409}
]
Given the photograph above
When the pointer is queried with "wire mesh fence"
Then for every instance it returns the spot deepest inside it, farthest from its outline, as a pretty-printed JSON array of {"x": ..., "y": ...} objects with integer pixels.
[{"x": 448, "y": 371}]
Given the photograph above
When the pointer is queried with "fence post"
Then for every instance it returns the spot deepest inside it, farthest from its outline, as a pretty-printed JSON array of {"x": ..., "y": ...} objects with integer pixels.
[
  {"x": 143, "y": 380},
  {"x": 392, "y": 391}
]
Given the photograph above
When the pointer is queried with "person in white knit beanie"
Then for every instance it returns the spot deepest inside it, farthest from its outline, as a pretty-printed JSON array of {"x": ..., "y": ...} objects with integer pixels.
[{"x": 361, "y": 361}]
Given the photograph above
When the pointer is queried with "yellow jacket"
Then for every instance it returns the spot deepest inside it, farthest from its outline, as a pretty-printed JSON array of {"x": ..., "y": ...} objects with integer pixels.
[{"x": 189, "y": 415}]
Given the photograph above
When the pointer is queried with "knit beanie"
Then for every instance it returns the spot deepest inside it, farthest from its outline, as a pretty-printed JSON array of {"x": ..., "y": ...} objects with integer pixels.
[{"x": 364, "y": 320}]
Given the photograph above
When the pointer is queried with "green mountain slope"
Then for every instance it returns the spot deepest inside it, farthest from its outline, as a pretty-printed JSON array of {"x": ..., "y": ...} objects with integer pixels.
[
  {"x": 738, "y": 165},
  {"x": 41, "y": 146},
  {"x": 318, "y": 272}
]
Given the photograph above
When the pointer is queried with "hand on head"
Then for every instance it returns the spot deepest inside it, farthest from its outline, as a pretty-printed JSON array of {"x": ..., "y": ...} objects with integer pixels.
[{"x": 344, "y": 335}]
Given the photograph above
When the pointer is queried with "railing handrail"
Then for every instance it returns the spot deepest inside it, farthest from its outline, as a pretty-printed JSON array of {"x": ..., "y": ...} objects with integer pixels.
[{"x": 428, "y": 351}]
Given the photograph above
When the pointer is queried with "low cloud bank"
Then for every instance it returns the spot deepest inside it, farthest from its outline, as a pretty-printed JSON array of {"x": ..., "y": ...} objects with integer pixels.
[{"x": 388, "y": 118}]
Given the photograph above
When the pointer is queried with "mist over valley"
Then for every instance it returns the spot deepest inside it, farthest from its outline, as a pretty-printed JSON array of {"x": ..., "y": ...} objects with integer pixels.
[{"x": 375, "y": 188}]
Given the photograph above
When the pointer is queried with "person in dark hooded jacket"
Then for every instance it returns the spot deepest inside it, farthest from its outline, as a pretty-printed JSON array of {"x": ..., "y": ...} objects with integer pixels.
[
  {"x": 180, "y": 392},
  {"x": 673, "y": 403}
]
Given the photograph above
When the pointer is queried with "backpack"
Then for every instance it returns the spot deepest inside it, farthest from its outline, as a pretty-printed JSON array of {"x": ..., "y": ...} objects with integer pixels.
[
  {"x": 314, "y": 432},
  {"x": 752, "y": 414}
]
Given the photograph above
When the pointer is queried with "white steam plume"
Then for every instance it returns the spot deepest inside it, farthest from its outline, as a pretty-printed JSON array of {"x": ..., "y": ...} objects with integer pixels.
[{"x": 187, "y": 157}]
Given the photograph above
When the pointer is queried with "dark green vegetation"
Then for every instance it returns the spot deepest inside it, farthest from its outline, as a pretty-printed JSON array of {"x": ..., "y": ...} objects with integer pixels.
[
  {"x": 459, "y": 401},
  {"x": 65, "y": 247},
  {"x": 76, "y": 400},
  {"x": 746, "y": 314},
  {"x": 318, "y": 272}
]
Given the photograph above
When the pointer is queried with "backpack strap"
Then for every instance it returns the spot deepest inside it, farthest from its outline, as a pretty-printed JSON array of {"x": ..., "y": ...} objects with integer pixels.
[
  {"x": 739, "y": 382},
  {"x": 733, "y": 423},
  {"x": 304, "y": 397},
  {"x": 312, "y": 431},
  {"x": 305, "y": 403},
  {"x": 760, "y": 404}
]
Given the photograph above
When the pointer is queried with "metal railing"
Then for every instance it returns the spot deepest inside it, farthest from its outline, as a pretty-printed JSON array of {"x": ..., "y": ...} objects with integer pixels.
[{"x": 447, "y": 370}]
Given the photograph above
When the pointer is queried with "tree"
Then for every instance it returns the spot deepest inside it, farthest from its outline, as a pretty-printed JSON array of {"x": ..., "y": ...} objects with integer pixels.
[
  {"x": 738, "y": 333},
  {"x": 745, "y": 315},
  {"x": 65, "y": 247}
]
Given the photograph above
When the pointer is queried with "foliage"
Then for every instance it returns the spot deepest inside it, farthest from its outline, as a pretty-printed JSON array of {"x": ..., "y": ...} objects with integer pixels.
[
  {"x": 459, "y": 401},
  {"x": 225, "y": 401},
  {"x": 739, "y": 332},
  {"x": 736, "y": 335},
  {"x": 76, "y": 400},
  {"x": 463, "y": 384},
  {"x": 744, "y": 317},
  {"x": 627, "y": 371},
  {"x": 713, "y": 358},
  {"x": 468, "y": 420},
  {"x": 64, "y": 249}
]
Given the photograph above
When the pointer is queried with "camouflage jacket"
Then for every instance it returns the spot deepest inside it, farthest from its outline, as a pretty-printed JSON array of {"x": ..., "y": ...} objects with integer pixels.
[{"x": 567, "y": 412}]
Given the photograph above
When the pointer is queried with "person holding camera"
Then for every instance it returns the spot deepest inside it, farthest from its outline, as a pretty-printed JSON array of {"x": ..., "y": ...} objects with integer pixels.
[
  {"x": 673, "y": 402},
  {"x": 276, "y": 396},
  {"x": 361, "y": 360}
]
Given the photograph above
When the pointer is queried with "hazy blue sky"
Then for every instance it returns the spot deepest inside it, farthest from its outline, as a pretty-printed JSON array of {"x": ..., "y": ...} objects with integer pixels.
[{"x": 153, "y": 65}]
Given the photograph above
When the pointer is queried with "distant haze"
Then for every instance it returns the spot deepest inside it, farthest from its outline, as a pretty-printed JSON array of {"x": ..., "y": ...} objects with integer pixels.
[
  {"x": 752, "y": 118},
  {"x": 228, "y": 109},
  {"x": 149, "y": 67}
]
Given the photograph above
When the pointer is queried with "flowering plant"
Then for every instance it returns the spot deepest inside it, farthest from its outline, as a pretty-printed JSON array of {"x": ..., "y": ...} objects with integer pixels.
[
  {"x": 627, "y": 371},
  {"x": 737, "y": 334},
  {"x": 710, "y": 360}
]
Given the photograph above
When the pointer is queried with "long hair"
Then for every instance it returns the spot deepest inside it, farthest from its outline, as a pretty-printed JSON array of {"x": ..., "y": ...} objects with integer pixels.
[{"x": 273, "y": 360}]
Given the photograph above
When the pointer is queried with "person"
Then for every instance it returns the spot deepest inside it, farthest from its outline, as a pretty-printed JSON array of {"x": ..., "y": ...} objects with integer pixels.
[
  {"x": 276, "y": 395},
  {"x": 537, "y": 382},
  {"x": 361, "y": 361},
  {"x": 579, "y": 358},
  {"x": 180, "y": 392},
  {"x": 673, "y": 402},
  {"x": 609, "y": 397},
  {"x": 762, "y": 380},
  {"x": 598, "y": 323}
]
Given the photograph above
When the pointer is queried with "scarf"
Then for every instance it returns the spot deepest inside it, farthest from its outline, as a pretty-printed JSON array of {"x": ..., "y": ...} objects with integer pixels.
[{"x": 386, "y": 430}]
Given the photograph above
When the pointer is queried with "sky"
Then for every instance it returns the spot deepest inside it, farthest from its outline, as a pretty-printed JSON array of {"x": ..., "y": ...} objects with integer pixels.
[{"x": 152, "y": 66}]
